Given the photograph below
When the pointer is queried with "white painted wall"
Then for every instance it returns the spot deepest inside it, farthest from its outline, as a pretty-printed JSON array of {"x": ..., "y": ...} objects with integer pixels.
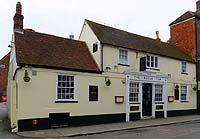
[
  {"x": 167, "y": 66},
  {"x": 88, "y": 35},
  {"x": 37, "y": 97}
]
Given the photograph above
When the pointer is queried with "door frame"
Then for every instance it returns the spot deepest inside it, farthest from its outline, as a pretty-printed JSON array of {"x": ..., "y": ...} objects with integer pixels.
[{"x": 146, "y": 77}]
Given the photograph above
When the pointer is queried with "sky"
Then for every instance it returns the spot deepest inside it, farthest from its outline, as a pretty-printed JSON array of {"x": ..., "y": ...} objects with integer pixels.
[{"x": 65, "y": 17}]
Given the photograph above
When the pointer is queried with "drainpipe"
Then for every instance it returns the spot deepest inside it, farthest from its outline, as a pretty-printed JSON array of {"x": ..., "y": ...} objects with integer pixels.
[{"x": 101, "y": 44}]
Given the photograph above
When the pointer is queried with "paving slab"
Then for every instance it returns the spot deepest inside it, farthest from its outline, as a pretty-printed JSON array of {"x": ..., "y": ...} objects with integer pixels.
[{"x": 96, "y": 129}]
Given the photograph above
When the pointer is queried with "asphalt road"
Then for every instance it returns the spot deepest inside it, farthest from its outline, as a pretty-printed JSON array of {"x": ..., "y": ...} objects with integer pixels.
[{"x": 187, "y": 130}]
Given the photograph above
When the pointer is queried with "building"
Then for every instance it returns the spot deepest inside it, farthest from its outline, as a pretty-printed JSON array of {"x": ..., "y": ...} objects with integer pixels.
[
  {"x": 142, "y": 61},
  {"x": 108, "y": 75},
  {"x": 4, "y": 66},
  {"x": 185, "y": 34}
]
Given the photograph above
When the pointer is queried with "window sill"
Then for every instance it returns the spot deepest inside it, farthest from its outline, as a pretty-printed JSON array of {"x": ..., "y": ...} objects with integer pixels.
[
  {"x": 184, "y": 101},
  {"x": 185, "y": 73},
  {"x": 66, "y": 101},
  {"x": 159, "y": 102},
  {"x": 134, "y": 103},
  {"x": 124, "y": 65},
  {"x": 153, "y": 68}
]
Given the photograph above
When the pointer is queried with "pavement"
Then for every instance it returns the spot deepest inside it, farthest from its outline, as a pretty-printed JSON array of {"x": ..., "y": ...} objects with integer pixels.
[{"x": 103, "y": 128}]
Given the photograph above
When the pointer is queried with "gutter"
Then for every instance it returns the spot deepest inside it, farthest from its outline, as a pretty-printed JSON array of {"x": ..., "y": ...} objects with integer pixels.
[
  {"x": 58, "y": 68},
  {"x": 16, "y": 72}
]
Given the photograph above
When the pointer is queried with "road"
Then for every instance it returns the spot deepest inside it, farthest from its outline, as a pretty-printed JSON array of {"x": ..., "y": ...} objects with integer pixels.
[{"x": 187, "y": 130}]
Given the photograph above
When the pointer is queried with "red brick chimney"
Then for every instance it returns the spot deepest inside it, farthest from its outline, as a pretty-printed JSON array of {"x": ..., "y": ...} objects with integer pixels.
[{"x": 18, "y": 18}]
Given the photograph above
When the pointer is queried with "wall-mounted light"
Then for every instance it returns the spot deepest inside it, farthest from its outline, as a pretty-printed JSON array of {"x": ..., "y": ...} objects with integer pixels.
[
  {"x": 26, "y": 76},
  {"x": 107, "y": 80},
  {"x": 107, "y": 69},
  {"x": 176, "y": 87},
  {"x": 123, "y": 80},
  {"x": 194, "y": 87},
  {"x": 35, "y": 122}
]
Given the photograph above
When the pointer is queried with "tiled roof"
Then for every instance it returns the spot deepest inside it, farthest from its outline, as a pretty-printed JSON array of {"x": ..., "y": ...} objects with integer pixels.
[
  {"x": 48, "y": 51},
  {"x": 120, "y": 38},
  {"x": 185, "y": 16},
  {"x": 4, "y": 66}
]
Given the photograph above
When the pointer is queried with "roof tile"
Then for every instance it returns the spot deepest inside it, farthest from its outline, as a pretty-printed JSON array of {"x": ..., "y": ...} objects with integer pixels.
[
  {"x": 38, "y": 49},
  {"x": 120, "y": 38}
]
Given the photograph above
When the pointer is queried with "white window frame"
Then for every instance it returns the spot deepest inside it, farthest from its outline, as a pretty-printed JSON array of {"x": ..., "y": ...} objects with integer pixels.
[
  {"x": 181, "y": 90},
  {"x": 162, "y": 93},
  {"x": 183, "y": 67},
  {"x": 127, "y": 60},
  {"x": 154, "y": 62},
  {"x": 138, "y": 99},
  {"x": 75, "y": 88}
]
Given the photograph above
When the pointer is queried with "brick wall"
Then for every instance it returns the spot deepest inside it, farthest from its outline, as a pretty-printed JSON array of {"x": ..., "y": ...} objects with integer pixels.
[
  {"x": 4, "y": 65},
  {"x": 183, "y": 36}
]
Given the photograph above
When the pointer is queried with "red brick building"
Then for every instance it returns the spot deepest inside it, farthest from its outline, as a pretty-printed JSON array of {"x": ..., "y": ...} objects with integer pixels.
[
  {"x": 185, "y": 34},
  {"x": 4, "y": 66}
]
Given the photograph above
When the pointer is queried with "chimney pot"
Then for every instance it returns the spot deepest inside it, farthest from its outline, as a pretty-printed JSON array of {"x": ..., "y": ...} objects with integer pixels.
[
  {"x": 71, "y": 36},
  {"x": 157, "y": 35},
  {"x": 19, "y": 8}
]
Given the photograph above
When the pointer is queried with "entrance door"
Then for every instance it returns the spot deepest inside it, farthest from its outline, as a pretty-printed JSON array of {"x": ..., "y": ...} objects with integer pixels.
[{"x": 146, "y": 99}]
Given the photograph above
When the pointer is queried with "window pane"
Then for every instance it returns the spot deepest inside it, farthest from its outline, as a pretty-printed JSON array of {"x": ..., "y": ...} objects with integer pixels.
[
  {"x": 156, "y": 62},
  {"x": 148, "y": 61},
  {"x": 148, "y": 58},
  {"x": 59, "y": 77},
  {"x": 152, "y": 61},
  {"x": 59, "y": 84}
]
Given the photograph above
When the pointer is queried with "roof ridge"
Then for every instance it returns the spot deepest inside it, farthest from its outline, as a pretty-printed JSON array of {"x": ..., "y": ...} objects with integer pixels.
[
  {"x": 129, "y": 32},
  {"x": 183, "y": 17}
]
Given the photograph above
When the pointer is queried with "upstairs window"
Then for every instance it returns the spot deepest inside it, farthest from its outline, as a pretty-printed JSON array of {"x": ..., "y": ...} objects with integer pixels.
[
  {"x": 152, "y": 62},
  {"x": 123, "y": 56},
  {"x": 183, "y": 67},
  {"x": 95, "y": 47}
]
